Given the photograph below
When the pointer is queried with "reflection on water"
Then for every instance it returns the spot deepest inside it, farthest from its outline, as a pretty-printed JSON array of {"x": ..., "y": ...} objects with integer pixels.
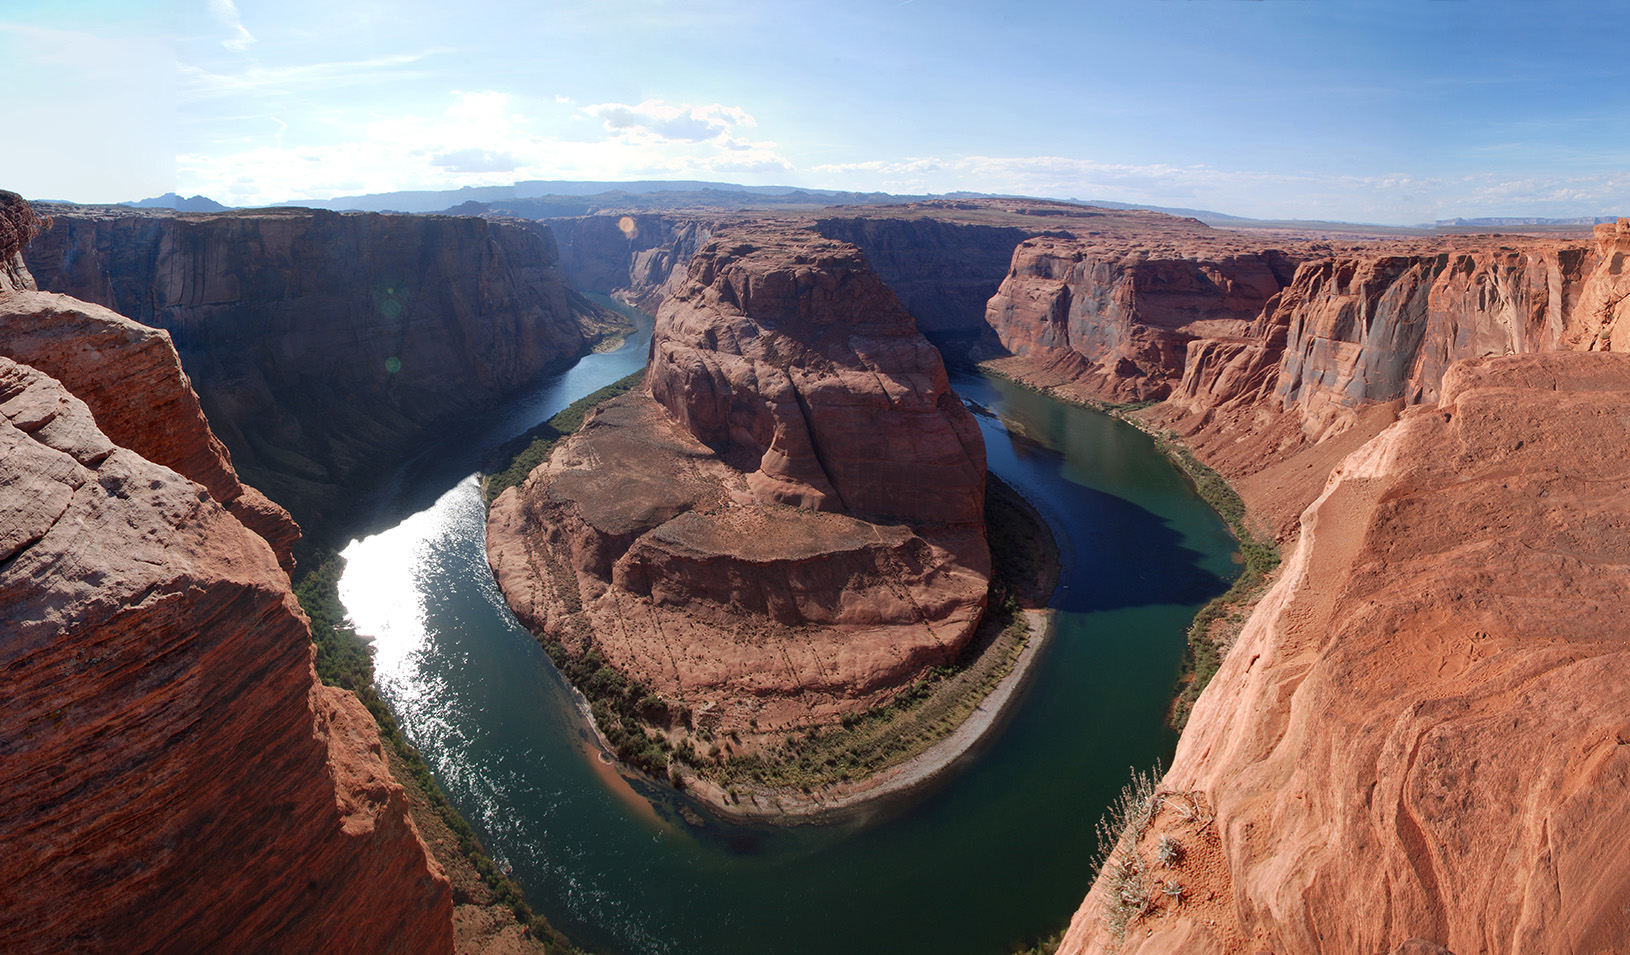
[{"x": 998, "y": 855}]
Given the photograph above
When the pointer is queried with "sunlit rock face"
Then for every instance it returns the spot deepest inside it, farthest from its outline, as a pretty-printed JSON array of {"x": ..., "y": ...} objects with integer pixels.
[
  {"x": 1419, "y": 741},
  {"x": 323, "y": 344},
  {"x": 788, "y": 525},
  {"x": 175, "y": 778},
  {"x": 1114, "y": 315}
]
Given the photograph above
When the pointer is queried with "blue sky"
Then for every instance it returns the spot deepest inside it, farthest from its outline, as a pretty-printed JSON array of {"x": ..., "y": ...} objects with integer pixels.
[{"x": 1397, "y": 112}]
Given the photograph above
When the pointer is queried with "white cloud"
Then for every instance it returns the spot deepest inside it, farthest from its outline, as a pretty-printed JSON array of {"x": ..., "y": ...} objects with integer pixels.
[
  {"x": 474, "y": 160},
  {"x": 478, "y": 139},
  {"x": 226, "y": 11},
  {"x": 654, "y": 119}
]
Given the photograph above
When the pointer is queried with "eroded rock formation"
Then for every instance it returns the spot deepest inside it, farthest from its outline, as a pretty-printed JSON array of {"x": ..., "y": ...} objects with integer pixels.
[
  {"x": 1420, "y": 738},
  {"x": 787, "y": 526},
  {"x": 130, "y": 377},
  {"x": 1114, "y": 316},
  {"x": 322, "y": 344},
  {"x": 175, "y": 777}
]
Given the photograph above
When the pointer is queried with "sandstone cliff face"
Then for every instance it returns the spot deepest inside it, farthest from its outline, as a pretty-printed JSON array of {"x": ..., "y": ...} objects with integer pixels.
[
  {"x": 175, "y": 777},
  {"x": 1363, "y": 332},
  {"x": 943, "y": 271},
  {"x": 321, "y": 344},
  {"x": 18, "y": 225},
  {"x": 790, "y": 355},
  {"x": 632, "y": 255},
  {"x": 1420, "y": 735},
  {"x": 1113, "y": 318},
  {"x": 943, "y": 260},
  {"x": 788, "y": 527},
  {"x": 130, "y": 377}
]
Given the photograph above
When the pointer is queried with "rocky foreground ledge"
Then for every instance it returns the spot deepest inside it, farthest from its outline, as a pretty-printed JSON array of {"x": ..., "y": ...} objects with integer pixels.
[
  {"x": 785, "y": 528},
  {"x": 173, "y": 775}
]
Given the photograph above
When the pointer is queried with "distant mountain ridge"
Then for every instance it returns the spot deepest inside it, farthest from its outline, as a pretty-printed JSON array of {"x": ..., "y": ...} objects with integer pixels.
[
  {"x": 558, "y": 198},
  {"x": 172, "y": 201}
]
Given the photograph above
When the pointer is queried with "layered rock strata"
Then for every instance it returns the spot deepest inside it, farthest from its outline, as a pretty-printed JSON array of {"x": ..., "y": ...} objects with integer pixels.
[
  {"x": 787, "y": 526},
  {"x": 175, "y": 777},
  {"x": 1363, "y": 333},
  {"x": 1114, "y": 316},
  {"x": 322, "y": 344},
  {"x": 1419, "y": 738}
]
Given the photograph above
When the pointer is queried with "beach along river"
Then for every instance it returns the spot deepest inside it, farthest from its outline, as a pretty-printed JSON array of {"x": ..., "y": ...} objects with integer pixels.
[{"x": 998, "y": 852}]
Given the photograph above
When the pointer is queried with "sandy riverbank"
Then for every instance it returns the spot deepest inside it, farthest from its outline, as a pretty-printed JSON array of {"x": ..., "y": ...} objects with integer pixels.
[{"x": 853, "y": 797}]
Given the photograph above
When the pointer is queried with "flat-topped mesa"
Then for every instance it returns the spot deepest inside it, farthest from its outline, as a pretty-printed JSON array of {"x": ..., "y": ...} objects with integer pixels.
[{"x": 788, "y": 526}]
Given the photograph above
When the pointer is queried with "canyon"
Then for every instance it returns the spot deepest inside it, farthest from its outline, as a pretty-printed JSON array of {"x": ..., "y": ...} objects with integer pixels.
[
  {"x": 785, "y": 525},
  {"x": 175, "y": 777},
  {"x": 1432, "y": 428},
  {"x": 1413, "y": 745},
  {"x": 323, "y": 346}
]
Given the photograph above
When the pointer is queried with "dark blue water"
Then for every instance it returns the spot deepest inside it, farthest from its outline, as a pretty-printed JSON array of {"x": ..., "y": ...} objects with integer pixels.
[{"x": 999, "y": 853}]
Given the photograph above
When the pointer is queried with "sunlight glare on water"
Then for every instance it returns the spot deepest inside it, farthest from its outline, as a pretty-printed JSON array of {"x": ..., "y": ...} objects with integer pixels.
[{"x": 386, "y": 578}]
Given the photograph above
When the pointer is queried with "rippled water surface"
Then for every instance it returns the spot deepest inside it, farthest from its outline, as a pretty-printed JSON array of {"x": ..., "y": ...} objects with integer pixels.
[{"x": 999, "y": 853}]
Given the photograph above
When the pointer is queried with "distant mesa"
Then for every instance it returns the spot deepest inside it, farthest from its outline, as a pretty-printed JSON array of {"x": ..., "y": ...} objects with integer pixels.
[{"x": 172, "y": 201}]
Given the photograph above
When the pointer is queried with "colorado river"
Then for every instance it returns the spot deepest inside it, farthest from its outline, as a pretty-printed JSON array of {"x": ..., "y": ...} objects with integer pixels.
[{"x": 998, "y": 853}]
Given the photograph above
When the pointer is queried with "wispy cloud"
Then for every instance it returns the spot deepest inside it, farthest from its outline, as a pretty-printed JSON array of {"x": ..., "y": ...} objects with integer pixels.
[
  {"x": 199, "y": 83},
  {"x": 226, "y": 11}
]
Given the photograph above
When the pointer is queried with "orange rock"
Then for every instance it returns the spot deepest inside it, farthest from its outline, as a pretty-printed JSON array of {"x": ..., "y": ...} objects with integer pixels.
[
  {"x": 1114, "y": 317},
  {"x": 782, "y": 373},
  {"x": 1420, "y": 735},
  {"x": 175, "y": 778},
  {"x": 131, "y": 378}
]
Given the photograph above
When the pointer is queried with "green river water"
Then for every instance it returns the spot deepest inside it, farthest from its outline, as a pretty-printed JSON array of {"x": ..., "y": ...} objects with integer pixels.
[{"x": 998, "y": 853}]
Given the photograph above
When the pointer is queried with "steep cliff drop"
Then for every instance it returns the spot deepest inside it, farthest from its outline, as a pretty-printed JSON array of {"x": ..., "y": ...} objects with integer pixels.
[
  {"x": 787, "y": 526},
  {"x": 175, "y": 778},
  {"x": 1413, "y": 746},
  {"x": 1420, "y": 739},
  {"x": 323, "y": 344},
  {"x": 1110, "y": 317}
]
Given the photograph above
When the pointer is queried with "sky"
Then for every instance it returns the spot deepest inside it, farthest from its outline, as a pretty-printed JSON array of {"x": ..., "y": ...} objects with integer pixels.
[{"x": 1378, "y": 111}]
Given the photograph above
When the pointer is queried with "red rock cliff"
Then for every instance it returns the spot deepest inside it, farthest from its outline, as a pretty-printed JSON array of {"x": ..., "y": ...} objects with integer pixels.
[
  {"x": 1113, "y": 316},
  {"x": 660, "y": 536},
  {"x": 1419, "y": 741},
  {"x": 321, "y": 344},
  {"x": 175, "y": 779}
]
